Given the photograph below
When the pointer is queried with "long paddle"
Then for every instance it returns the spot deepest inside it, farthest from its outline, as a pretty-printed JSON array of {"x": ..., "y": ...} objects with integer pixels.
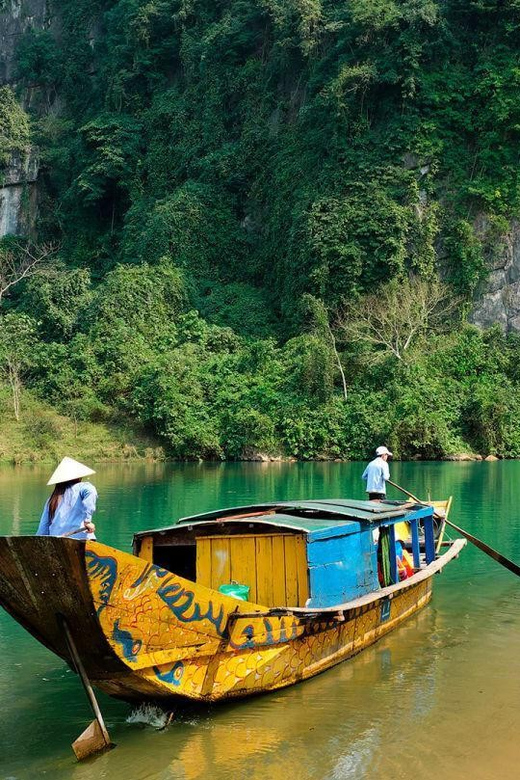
[
  {"x": 95, "y": 738},
  {"x": 508, "y": 564}
]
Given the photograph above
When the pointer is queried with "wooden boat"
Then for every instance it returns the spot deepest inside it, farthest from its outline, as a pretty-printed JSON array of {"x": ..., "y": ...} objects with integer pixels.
[{"x": 153, "y": 624}]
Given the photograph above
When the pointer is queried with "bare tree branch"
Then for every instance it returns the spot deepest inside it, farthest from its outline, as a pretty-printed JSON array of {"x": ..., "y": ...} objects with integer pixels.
[
  {"x": 19, "y": 261},
  {"x": 393, "y": 319},
  {"x": 338, "y": 361}
]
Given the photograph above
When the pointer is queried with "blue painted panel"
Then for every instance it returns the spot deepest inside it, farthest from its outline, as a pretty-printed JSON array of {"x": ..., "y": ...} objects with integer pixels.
[
  {"x": 424, "y": 511},
  {"x": 415, "y": 545},
  {"x": 341, "y": 568},
  {"x": 393, "y": 557},
  {"x": 429, "y": 541},
  {"x": 342, "y": 559},
  {"x": 341, "y": 529}
]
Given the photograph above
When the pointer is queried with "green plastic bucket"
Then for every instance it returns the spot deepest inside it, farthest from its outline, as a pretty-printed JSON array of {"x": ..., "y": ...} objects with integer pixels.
[{"x": 236, "y": 590}]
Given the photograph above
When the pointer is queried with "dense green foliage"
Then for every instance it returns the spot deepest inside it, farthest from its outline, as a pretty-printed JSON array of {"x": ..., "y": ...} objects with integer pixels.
[
  {"x": 14, "y": 127},
  {"x": 227, "y": 177}
]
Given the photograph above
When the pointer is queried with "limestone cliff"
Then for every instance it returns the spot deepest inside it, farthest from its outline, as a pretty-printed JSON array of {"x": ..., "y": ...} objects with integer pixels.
[
  {"x": 498, "y": 300},
  {"x": 18, "y": 194},
  {"x": 16, "y": 17}
]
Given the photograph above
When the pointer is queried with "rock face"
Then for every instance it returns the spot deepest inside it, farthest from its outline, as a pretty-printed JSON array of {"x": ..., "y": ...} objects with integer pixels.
[
  {"x": 252, "y": 454},
  {"x": 17, "y": 16},
  {"x": 18, "y": 190},
  {"x": 499, "y": 299},
  {"x": 463, "y": 456},
  {"x": 18, "y": 195}
]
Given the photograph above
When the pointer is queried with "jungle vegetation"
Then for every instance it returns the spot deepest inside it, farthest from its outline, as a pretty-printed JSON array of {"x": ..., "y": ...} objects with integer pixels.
[{"x": 269, "y": 219}]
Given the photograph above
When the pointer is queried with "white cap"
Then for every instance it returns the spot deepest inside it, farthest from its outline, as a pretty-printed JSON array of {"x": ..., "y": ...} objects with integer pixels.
[
  {"x": 69, "y": 469},
  {"x": 383, "y": 451}
]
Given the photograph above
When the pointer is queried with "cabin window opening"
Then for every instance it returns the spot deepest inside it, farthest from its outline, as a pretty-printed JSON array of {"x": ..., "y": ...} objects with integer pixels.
[{"x": 180, "y": 559}]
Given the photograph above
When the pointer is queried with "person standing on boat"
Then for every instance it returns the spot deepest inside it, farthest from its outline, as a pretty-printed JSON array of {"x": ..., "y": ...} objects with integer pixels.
[
  {"x": 71, "y": 504},
  {"x": 376, "y": 474}
]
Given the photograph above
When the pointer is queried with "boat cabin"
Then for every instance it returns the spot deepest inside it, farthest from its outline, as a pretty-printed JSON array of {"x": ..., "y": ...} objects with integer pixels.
[{"x": 313, "y": 554}]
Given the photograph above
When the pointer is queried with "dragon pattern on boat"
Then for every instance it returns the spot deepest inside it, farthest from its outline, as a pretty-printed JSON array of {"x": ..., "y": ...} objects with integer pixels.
[{"x": 144, "y": 630}]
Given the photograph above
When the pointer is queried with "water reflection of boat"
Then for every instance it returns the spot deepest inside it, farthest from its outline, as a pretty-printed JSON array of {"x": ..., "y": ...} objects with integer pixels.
[
  {"x": 155, "y": 624},
  {"x": 334, "y": 726}
]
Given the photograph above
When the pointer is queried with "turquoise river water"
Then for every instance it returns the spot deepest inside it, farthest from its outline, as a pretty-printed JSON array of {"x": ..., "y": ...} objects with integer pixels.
[{"x": 438, "y": 698}]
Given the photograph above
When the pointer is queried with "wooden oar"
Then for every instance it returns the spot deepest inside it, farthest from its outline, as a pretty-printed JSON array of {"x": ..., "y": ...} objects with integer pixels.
[
  {"x": 407, "y": 493},
  {"x": 73, "y": 533},
  {"x": 498, "y": 557},
  {"x": 95, "y": 738}
]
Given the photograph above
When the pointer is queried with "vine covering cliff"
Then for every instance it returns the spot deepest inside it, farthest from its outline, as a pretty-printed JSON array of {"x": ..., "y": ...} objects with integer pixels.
[{"x": 229, "y": 182}]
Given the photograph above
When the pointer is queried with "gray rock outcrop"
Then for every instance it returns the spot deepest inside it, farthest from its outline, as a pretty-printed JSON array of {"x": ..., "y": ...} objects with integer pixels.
[
  {"x": 18, "y": 190},
  {"x": 16, "y": 17},
  {"x": 498, "y": 301},
  {"x": 18, "y": 195}
]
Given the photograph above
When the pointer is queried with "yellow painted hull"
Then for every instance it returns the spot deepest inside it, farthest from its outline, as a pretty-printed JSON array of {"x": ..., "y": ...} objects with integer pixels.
[
  {"x": 183, "y": 639},
  {"x": 145, "y": 633}
]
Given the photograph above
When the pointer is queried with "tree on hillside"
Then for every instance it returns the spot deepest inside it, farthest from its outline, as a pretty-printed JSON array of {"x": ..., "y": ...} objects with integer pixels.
[
  {"x": 320, "y": 324},
  {"x": 17, "y": 346},
  {"x": 19, "y": 261},
  {"x": 390, "y": 321}
]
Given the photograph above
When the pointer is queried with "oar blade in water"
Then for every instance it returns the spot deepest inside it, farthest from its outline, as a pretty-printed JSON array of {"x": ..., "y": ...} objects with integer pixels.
[
  {"x": 498, "y": 557},
  {"x": 90, "y": 742}
]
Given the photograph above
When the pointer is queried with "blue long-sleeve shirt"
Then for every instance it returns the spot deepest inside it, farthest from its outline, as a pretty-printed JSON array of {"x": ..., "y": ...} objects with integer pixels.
[
  {"x": 376, "y": 473},
  {"x": 76, "y": 507}
]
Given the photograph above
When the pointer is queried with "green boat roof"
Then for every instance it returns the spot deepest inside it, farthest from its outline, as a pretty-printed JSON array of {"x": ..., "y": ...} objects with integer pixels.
[
  {"x": 323, "y": 508},
  {"x": 308, "y": 516},
  {"x": 306, "y": 524}
]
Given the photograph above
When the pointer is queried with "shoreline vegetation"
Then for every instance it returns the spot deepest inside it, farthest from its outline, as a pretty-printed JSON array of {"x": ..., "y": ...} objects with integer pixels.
[
  {"x": 263, "y": 227},
  {"x": 44, "y": 436}
]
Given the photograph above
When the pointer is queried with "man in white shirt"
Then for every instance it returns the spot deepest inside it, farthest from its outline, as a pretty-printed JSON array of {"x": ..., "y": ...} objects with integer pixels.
[{"x": 376, "y": 474}]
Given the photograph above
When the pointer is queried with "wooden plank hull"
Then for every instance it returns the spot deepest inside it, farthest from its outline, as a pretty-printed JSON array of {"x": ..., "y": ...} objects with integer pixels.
[{"x": 145, "y": 633}]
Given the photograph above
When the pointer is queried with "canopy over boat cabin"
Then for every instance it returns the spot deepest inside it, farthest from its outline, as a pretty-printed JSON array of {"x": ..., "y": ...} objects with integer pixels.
[{"x": 313, "y": 554}]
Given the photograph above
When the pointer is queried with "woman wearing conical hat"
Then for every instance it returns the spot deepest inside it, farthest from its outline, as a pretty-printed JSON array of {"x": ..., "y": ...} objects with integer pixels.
[{"x": 72, "y": 503}]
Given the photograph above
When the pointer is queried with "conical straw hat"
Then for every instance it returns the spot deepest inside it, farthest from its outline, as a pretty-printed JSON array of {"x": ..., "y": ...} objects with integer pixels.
[{"x": 69, "y": 469}]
